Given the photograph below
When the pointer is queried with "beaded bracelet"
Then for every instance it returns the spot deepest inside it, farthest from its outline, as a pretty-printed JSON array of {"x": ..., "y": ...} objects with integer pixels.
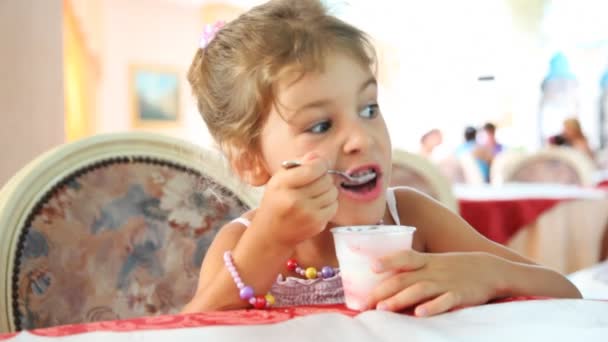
[{"x": 245, "y": 291}]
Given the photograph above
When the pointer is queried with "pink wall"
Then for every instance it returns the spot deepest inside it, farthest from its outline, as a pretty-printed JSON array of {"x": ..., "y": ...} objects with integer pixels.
[
  {"x": 148, "y": 32},
  {"x": 31, "y": 81}
]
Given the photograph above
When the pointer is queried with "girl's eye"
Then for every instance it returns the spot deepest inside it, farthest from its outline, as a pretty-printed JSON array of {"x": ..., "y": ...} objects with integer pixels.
[
  {"x": 370, "y": 111},
  {"x": 320, "y": 127}
]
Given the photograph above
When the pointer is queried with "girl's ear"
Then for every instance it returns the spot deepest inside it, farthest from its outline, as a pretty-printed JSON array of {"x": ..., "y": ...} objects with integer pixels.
[{"x": 250, "y": 167}]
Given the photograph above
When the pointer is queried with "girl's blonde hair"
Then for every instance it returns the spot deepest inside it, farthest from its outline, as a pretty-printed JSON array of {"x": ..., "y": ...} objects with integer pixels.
[{"x": 234, "y": 78}]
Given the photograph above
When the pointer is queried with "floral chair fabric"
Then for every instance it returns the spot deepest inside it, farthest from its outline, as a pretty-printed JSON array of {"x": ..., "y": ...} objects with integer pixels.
[{"x": 119, "y": 238}]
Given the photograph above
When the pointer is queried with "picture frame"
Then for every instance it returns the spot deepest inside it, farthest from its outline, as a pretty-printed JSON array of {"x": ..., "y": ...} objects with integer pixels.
[{"x": 155, "y": 96}]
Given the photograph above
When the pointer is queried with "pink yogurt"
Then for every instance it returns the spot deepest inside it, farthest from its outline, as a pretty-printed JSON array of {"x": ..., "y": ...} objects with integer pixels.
[{"x": 357, "y": 247}]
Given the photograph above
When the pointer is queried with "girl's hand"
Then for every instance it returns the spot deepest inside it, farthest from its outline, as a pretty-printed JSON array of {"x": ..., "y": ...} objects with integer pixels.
[
  {"x": 299, "y": 202},
  {"x": 436, "y": 283}
]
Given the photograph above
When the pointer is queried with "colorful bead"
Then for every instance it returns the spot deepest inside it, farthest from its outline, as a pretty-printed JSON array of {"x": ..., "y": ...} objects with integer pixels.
[
  {"x": 269, "y": 299},
  {"x": 260, "y": 302},
  {"x": 311, "y": 273},
  {"x": 246, "y": 292},
  {"x": 327, "y": 272},
  {"x": 292, "y": 264}
]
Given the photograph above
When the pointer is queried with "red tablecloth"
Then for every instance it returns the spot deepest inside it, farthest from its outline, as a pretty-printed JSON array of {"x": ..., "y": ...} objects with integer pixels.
[
  {"x": 236, "y": 317},
  {"x": 499, "y": 220},
  {"x": 602, "y": 184}
]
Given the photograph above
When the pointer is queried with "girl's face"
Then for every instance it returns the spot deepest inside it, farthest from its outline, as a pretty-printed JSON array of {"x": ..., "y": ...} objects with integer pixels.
[{"x": 334, "y": 113}]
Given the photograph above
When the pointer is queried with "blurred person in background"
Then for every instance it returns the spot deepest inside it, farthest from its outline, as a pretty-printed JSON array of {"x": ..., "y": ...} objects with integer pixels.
[
  {"x": 489, "y": 139},
  {"x": 557, "y": 140},
  {"x": 481, "y": 155},
  {"x": 470, "y": 141},
  {"x": 575, "y": 138},
  {"x": 429, "y": 141},
  {"x": 572, "y": 136}
]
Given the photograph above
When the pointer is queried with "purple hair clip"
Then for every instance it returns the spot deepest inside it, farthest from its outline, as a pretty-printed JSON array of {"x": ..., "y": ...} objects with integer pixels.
[{"x": 209, "y": 33}]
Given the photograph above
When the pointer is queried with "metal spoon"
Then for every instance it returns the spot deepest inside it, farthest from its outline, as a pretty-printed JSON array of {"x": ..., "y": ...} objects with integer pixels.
[{"x": 355, "y": 180}]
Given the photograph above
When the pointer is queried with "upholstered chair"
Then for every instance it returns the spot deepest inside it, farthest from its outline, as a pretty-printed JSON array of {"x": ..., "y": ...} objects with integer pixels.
[
  {"x": 110, "y": 227},
  {"x": 557, "y": 165}
]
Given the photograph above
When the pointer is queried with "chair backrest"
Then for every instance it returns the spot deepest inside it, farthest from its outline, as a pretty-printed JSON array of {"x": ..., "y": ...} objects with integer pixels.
[
  {"x": 601, "y": 157},
  {"x": 560, "y": 165},
  {"x": 471, "y": 169},
  {"x": 417, "y": 172},
  {"x": 110, "y": 227},
  {"x": 503, "y": 162},
  {"x": 461, "y": 169}
]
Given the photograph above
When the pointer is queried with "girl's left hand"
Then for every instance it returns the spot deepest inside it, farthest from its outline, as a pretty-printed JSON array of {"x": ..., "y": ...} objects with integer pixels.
[{"x": 436, "y": 283}]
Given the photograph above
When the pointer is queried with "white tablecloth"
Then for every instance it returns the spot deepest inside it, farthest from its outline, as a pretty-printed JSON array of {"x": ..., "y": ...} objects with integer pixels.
[
  {"x": 592, "y": 281},
  {"x": 542, "y": 320},
  {"x": 525, "y": 191}
]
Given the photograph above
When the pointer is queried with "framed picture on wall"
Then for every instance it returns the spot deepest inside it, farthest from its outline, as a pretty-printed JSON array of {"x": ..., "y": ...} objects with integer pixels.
[{"x": 154, "y": 96}]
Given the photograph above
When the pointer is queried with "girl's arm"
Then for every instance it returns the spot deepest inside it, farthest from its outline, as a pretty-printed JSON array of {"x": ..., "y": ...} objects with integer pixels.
[
  {"x": 297, "y": 204},
  {"x": 444, "y": 231},
  {"x": 258, "y": 260}
]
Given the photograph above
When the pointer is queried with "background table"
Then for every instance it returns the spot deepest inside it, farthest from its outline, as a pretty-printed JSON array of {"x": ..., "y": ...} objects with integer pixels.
[{"x": 555, "y": 225}]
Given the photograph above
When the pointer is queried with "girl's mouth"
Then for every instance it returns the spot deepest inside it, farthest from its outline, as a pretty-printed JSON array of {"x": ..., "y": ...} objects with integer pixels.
[{"x": 365, "y": 191}]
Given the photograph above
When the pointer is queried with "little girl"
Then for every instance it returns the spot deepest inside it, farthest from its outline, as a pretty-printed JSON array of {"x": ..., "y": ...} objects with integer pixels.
[{"x": 287, "y": 81}]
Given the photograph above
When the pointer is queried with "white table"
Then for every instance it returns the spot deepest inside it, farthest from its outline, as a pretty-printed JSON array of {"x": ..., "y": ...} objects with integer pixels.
[
  {"x": 592, "y": 281},
  {"x": 527, "y": 190},
  {"x": 542, "y": 320}
]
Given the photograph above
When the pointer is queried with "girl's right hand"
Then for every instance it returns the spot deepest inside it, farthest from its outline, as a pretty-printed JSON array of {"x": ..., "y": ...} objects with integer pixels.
[{"x": 299, "y": 202}]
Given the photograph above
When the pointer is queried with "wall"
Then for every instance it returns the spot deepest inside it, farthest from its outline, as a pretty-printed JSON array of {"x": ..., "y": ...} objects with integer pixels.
[
  {"x": 215, "y": 11},
  {"x": 31, "y": 81},
  {"x": 80, "y": 76},
  {"x": 146, "y": 32}
]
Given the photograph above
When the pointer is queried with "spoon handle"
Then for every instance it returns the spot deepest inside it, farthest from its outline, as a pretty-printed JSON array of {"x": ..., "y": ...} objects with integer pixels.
[{"x": 290, "y": 164}]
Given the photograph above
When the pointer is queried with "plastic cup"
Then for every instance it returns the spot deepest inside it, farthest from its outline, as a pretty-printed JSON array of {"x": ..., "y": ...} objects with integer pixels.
[{"x": 357, "y": 247}]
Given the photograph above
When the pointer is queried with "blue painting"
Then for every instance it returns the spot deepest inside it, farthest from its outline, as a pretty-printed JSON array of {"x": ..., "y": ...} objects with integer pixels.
[{"x": 156, "y": 95}]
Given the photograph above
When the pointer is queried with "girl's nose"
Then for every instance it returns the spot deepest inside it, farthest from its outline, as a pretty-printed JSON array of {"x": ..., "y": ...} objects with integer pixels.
[{"x": 358, "y": 138}]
